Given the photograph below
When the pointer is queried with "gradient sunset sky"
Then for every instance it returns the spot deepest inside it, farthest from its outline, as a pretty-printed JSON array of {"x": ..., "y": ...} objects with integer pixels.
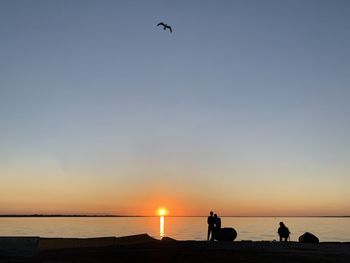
[{"x": 244, "y": 109}]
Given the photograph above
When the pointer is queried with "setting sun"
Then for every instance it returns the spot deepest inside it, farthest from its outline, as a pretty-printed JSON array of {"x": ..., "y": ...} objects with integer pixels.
[{"x": 162, "y": 212}]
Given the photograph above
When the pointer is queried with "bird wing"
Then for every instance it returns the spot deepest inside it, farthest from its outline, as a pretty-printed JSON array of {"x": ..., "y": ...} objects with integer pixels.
[
  {"x": 161, "y": 24},
  {"x": 171, "y": 31}
]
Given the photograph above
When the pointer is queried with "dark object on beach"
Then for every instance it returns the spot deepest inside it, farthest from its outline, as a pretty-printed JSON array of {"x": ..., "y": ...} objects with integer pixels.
[
  {"x": 165, "y": 26},
  {"x": 308, "y": 238},
  {"x": 225, "y": 234},
  {"x": 283, "y": 232},
  {"x": 20, "y": 247},
  {"x": 168, "y": 239}
]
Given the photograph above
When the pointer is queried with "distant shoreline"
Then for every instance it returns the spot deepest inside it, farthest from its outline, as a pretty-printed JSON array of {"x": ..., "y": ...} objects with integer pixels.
[{"x": 63, "y": 215}]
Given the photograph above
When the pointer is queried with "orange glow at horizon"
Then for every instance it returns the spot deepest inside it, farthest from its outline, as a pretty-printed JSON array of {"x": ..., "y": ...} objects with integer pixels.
[{"x": 64, "y": 193}]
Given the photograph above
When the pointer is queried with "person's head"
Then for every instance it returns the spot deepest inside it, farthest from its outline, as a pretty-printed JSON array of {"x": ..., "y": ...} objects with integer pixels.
[
  {"x": 211, "y": 213},
  {"x": 281, "y": 224},
  {"x": 215, "y": 215}
]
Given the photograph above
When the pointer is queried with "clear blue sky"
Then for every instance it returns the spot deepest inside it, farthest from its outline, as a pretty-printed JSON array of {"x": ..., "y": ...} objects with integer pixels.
[{"x": 242, "y": 98}]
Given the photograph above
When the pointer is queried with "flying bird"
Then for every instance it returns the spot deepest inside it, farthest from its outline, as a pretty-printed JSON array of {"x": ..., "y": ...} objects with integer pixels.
[{"x": 165, "y": 26}]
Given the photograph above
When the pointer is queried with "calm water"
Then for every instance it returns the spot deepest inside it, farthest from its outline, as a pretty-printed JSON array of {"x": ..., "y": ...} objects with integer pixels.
[{"x": 181, "y": 228}]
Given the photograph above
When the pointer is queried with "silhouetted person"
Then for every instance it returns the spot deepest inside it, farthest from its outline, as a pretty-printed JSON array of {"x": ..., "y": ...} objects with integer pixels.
[
  {"x": 165, "y": 26},
  {"x": 217, "y": 221},
  {"x": 283, "y": 232},
  {"x": 217, "y": 224},
  {"x": 211, "y": 226}
]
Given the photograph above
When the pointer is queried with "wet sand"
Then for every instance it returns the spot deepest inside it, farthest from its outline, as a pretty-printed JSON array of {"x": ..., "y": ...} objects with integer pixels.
[{"x": 142, "y": 248}]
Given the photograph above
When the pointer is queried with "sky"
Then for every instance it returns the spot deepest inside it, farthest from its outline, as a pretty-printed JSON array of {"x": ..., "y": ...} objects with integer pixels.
[{"x": 244, "y": 109}]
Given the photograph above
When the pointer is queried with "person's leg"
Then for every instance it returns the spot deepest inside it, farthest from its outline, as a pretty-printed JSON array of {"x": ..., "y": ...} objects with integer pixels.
[
  {"x": 280, "y": 238},
  {"x": 212, "y": 234},
  {"x": 208, "y": 233}
]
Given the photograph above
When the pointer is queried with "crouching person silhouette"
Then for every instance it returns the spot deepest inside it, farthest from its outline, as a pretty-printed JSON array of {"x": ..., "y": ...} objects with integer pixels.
[{"x": 283, "y": 232}]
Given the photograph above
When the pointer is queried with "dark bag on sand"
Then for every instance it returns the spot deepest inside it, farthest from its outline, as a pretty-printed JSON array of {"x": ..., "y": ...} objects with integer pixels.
[
  {"x": 308, "y": 238},
  {"x": 225, "y": 234}
]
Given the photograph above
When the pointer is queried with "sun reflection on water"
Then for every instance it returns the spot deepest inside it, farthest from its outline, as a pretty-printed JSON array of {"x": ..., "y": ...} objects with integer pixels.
[{"x": 161, "y": 226}]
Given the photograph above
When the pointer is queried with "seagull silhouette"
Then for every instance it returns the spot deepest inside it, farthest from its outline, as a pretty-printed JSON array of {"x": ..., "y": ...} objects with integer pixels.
[{"x": 165, "y": 26}]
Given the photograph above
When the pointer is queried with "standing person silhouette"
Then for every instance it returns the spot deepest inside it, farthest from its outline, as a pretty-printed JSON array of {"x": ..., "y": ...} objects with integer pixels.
[
  {"x": 211, "y": 226},
  {"x": 217, "y": 221},
  {"x": 217, "y": 225}
]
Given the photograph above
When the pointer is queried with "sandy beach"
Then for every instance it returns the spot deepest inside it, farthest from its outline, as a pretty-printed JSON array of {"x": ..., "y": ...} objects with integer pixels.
[{"x": 142, "y": 248}]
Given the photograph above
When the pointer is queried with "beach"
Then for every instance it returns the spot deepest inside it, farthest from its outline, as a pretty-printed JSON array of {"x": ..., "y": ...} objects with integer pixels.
[{"x": 143, "y": 248}]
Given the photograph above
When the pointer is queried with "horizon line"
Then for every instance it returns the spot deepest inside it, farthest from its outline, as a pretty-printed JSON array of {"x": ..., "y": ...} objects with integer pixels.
[{"x": 107, "y": 215}]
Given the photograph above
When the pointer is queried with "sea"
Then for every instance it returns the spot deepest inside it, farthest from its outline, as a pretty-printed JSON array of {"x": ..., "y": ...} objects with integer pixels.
[{"x": 327, "y": 229}]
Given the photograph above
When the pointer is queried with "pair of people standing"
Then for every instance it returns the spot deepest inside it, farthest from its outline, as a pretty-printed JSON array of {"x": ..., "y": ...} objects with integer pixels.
[{"x": 214, "y": 223}]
